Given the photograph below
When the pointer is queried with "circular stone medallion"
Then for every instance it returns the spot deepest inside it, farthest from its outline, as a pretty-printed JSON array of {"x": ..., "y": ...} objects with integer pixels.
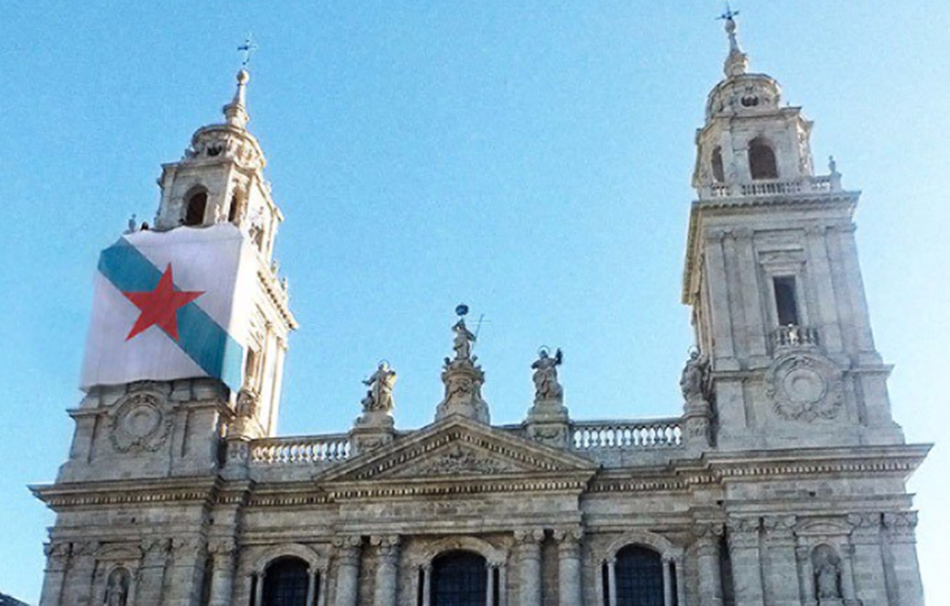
[{"x": 139, "y": 423}]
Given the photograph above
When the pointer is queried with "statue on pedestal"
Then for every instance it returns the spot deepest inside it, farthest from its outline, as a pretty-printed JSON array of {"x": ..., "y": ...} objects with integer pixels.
[
  {"x": 463, "y": 341},
  {"x": 693, "y": 379},
  {"x": 379, "y": 396},
  {"x": 546, "y": 386}
]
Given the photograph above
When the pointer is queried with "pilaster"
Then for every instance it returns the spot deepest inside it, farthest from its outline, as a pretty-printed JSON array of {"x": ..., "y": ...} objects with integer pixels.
[
  {"x": 58, "y": 555},
  {"x": 781, "y": 572},
  {"x": 902, "y": 543},
  {"x": 222, "y": 552},
  {"x": 866, "y": 558},
  {"x": 743, "y": 537}
]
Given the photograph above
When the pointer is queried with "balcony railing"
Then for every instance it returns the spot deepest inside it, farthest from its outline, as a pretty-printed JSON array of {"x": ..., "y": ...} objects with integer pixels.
[
  {"x": 773, "y": 187},
  {"x": 300, "y": 450},
  {"x": 599, "y": 435},
  {"x": 793, "y": 336}
]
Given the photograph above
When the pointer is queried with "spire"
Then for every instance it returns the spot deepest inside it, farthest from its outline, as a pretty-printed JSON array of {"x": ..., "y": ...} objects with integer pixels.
[
  {"x": 737, "y": 61},
  {"x": 235, "y": 111}
]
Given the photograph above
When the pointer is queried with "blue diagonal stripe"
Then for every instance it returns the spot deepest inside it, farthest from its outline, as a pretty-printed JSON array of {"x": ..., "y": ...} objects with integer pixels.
[{"x": 199, "y": 336}]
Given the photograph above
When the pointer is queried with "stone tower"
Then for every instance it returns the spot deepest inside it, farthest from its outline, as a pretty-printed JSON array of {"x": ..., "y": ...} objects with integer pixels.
[
  {"x": 773, "y": 280},
  {"x": 167, "y": 428}
]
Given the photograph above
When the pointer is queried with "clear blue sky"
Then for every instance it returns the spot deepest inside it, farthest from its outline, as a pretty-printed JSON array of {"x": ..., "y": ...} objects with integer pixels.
[{"x": 529, "y": 158}]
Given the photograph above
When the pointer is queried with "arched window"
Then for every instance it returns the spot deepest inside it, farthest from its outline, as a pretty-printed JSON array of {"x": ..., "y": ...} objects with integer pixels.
[
  {"x": 718, "y": 173},
  {"x": 195, "y": 210},
  {"x": 459, "y": 578},
  {"x": 285, "y": 583},
  {"x": 762, "y": 160},
  {"x": 639, "y": 574}
]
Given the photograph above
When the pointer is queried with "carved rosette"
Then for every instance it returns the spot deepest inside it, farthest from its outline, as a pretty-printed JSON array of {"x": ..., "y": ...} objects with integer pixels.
[
  {"x": 140, "y": 422},
  {"x": 805, "y": 387}
]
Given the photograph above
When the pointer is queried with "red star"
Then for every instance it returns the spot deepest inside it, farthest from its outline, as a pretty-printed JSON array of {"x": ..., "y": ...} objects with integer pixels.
[{"x": 160, "y": 306}]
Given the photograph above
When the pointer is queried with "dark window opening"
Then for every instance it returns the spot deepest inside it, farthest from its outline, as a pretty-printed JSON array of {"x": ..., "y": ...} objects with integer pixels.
[
  {"x": 459, "y": 578},
  {"x": 786, "y": 306},
  {"x": 639, "y": 574},
  {"x": 762, "y": 163},
  {"x": 673, "y": 587},
  {"x": 718, "y": 173},
  {"x": 195, "y": 212},
  {"x": 233, "y": 211},
  {"x": 285, "y": 583}
]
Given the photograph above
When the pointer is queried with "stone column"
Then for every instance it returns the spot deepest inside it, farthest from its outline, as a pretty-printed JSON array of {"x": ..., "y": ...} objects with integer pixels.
[
  {"x": 743, "y": 535},
  {"x": 322, "y": 589},
  {"x": 667, "y": 583},
  {"x": 387, "y": 569},
  {"x": 708, "y": 555},
  {"x": 868, "y": 565},
  {"x": 902, "y": 543},
  {"x": 782, "y": 570},
  {"x": 806, "y": 576},
  {"x": 680, "y": 572},
  {"x": 348, "y": 570},
  {"x": 54, "y": 579},
  {"x": 503, "y": 585},
  {"x": 612, "y": 582},
  {"x": 222, "y": 572},
  {"x": 569, "y": 566},
  {"x": 530, "y": 564},
  {"x": 427, "y": 585}
]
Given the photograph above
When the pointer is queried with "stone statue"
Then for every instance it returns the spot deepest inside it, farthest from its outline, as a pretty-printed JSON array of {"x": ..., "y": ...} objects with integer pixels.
[
  {"x": 380, "y": 393},
  {"x": 117, "y": 588},
  {"x": 133, "y": 224},
  {"x": 546, "y": 386},
  {"x": 693, "y": 379},
  {"x": 463, "y": 341},
  {"x": 827, "y": 570}
]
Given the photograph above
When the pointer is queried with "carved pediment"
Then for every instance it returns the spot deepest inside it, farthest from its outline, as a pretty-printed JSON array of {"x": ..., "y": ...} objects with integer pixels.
[{"x": 457, "y": 448}]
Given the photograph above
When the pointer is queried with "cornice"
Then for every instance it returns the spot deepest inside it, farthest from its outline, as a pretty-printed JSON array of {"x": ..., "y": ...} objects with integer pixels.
[{"x": 193, "y": 490}]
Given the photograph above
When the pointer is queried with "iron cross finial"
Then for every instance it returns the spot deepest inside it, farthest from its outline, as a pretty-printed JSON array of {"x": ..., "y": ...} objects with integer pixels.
[
  {"x": 247, "y": 48},
  {"x": 729, "y": 14}
]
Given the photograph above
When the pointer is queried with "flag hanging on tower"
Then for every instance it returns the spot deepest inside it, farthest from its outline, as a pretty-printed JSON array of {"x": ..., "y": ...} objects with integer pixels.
[{"x": 171, "y": 305}]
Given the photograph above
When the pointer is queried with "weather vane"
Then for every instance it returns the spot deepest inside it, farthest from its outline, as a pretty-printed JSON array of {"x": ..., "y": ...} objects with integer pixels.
[{"x": 247, "y": 48}]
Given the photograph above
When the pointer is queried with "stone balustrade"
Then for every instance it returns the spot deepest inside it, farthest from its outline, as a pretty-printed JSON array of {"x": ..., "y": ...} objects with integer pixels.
[
  {"x": 300, "y": 450},
  {"x": 650, "y": 434},
  {"x": 793, "y": 336},
  {"x": 585, "y": 436},
  {"x": 773, "y": 187}
]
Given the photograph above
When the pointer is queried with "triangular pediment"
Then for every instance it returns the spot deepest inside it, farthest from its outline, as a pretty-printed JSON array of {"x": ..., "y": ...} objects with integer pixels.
[{"x": 458, "y": 448}]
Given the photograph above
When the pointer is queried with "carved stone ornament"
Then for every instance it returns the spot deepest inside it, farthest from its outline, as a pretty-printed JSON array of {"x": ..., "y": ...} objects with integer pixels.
[
  {"x": 457, "y": 461},
  {"x": 140, "y": 423},
  {"x": 805, "y": 387}
]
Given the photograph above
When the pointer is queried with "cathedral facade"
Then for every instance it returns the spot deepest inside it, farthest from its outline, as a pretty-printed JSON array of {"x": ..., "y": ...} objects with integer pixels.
[{"x": 780, "y": 481}]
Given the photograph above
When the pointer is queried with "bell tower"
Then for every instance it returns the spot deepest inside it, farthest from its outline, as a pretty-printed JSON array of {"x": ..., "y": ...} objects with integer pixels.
[
  {"x": 162, "y": 398},
  {"x": 773, "y": 280},
  {"x": 220, "y": 179}
]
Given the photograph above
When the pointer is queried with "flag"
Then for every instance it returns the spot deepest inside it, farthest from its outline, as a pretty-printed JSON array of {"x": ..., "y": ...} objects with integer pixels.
[{"x": 171, "y": 305}]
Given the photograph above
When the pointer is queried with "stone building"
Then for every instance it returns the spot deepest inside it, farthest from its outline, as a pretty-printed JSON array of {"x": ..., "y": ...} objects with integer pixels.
[{"x": 780, "y": 482}]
